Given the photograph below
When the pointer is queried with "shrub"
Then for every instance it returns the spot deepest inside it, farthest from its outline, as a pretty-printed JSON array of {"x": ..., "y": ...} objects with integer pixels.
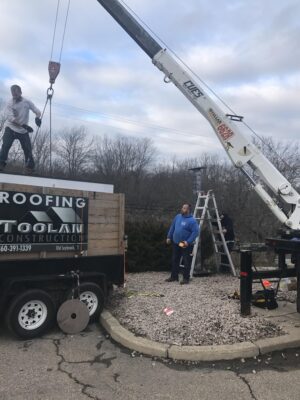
[{"x": 147, "y": 249}]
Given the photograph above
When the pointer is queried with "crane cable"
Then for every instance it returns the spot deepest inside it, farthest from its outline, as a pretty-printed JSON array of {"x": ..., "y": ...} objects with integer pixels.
[
  {"x": 53, "y": 69},
  {"x": 205, "y": 84},
  {"x": 54, "y": 29}
]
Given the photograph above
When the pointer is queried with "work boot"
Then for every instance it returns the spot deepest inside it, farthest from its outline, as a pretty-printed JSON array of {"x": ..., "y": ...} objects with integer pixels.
[
  {"x": 171, "y": 279},
  {"x": 184, "y": 282}
]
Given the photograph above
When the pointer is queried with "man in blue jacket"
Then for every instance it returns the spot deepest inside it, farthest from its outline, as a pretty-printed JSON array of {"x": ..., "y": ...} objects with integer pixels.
[{"x": 182, "y": 233}]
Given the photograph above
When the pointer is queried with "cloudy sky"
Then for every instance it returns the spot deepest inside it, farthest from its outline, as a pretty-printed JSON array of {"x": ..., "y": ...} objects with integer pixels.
[{"x": 247, "y": 51}]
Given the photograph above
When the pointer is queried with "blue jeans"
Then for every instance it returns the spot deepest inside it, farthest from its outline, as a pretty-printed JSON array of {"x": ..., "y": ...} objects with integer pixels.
[
  {"x": 185, "y": 253},
  {"x": 8, "y": 138}
]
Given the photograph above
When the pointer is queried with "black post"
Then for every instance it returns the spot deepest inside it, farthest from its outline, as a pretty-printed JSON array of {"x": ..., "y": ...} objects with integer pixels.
[
  {"x": 281, "y": 260},
  {"x": 246, "y": 282},
  {"x": 297, "y": 266}
]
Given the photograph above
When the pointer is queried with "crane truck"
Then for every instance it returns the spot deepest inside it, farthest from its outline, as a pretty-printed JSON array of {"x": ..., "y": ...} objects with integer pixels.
[
  {"x": 58, "y": 235},
  {"x": 270, "y": 185}
]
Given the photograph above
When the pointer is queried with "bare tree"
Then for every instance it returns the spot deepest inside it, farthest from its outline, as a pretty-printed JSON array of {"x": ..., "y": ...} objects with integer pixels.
[
  {"x": 72, "y": 150},
  {"x": 284, "y": 155},
  {"x": 41, "y": 152},
  {"x": 123, "y": 160}
]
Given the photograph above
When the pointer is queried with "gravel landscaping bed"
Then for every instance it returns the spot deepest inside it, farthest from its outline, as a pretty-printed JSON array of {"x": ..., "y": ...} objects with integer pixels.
[{"x": 203, "y": 313}]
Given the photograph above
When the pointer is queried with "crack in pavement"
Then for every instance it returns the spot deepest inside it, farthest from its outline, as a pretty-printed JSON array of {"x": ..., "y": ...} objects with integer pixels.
[
  {"x": 85, "y": 387},
  {"x": 96, "y": 360},
  {"x": 243, "y": 379},
  {"x": 116, "y": 377},
  {"x": 99, "y": 344}
]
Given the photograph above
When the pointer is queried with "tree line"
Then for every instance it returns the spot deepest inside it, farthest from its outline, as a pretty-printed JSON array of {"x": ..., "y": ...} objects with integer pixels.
[{"x": 155, "y": 190}]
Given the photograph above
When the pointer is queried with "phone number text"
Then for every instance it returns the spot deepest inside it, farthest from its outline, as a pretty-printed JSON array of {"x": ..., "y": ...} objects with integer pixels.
[{"x": 15, "y": 248}]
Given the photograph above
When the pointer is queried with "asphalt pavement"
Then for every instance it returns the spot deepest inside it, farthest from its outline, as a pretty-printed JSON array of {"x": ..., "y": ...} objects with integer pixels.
[{"x": 91, "y": 366}]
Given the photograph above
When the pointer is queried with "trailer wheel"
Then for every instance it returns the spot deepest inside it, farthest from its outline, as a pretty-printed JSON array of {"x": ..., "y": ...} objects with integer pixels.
[
  {"x": 30, "y": 314},
  {"x": 93, "y": 297}
]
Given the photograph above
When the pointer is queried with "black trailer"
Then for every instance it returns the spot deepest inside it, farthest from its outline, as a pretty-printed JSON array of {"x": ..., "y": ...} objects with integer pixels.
[{"x": 58, "y": 239}]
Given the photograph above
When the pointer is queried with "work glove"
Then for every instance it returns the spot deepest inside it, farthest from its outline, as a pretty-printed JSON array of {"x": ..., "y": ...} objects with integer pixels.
[
  {"x": 28, "y": 128},
  {"x": 183, "y": 244},
  {"x": 38, "y": 121}
]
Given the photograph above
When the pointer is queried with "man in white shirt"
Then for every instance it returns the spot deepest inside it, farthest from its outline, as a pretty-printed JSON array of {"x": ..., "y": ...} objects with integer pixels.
[{"x": 16, "y": 127}]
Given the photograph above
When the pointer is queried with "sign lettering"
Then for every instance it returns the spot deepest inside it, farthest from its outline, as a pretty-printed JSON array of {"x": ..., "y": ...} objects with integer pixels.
[
  {"x": 31, "y": 222},
  {"x": 193, "y": 89}
]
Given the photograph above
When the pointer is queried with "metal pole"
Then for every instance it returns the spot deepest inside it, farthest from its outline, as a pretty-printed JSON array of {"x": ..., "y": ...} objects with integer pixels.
[
  {"x": 297, "y": 266},
  {"x": 197, "y": 179},
  {"x": 246, "y": 282}
]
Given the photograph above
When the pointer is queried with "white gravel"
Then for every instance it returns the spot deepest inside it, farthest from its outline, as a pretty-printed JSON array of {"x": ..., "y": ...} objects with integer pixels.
[{"x": 203, "y": 313}]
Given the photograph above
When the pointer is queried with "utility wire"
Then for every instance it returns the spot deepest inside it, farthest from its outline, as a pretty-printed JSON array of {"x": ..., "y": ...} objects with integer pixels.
[
  {"x": 203, "y": 82},
  {"x": 168, "y": 139},
  {"x": 120, "y": 118},
  {"x": 127, "y": 120}
]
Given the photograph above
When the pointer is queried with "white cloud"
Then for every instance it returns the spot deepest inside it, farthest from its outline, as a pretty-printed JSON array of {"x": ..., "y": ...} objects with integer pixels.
[{"x": 248, "y": 53}]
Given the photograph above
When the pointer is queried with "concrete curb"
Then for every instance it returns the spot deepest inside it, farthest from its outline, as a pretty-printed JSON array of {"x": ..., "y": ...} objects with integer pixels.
[
  {"x": 197, "y": 353},
  {"x": 213, "y": 353},
  {"x": 129, "y": 340},
  {"x": 291, "y": 340}
]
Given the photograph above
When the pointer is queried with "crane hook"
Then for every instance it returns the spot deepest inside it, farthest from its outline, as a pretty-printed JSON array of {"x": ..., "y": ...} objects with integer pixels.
[{"x": 53, "y": 68}]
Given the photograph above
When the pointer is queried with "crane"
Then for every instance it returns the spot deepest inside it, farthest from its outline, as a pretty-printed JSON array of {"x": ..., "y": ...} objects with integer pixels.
[{"x": 241, "y": 151}]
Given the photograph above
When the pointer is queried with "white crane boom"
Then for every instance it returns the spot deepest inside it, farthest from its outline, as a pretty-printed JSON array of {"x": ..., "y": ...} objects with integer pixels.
[{"x": 238, "y": 147}]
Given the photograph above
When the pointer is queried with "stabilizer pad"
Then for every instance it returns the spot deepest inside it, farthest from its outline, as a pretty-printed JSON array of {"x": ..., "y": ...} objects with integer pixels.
[{"x": 73, "y": 316}]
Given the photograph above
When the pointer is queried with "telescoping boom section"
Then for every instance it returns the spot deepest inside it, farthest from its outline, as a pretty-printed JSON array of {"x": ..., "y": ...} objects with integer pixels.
[{"x": 238, "y": 147}]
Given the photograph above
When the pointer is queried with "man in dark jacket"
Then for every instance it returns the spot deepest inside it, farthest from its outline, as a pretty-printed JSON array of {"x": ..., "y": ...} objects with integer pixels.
[{"x": 182, "y": 233}]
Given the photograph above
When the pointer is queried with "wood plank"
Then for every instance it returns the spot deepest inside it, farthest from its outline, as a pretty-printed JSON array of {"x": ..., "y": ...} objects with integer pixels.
[
  {"x": 35, "y": 256},
  {"x": 106, "y": 212},
  {"x": 21, "y": 188},
  {"x": 60, "y": 192},
  {"x": 103, "y": 235},
  {"x": 82, "y": 193},
  {"x": 102, "y": 228},
  {"x": 103, "y": 220},
  {"x": 105, "y": 196},
  {"x": 104, "y": 252},
  {"x": 42, "y": 190},
  {"x": 121, "y": 219},
  {"x": 94, "y": 205},
  {"x": 105, "y": 243}
]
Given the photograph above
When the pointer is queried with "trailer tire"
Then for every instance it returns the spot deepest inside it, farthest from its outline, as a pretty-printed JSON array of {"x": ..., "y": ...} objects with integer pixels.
[
  {"x": 30, "y": 314},
  {"x": 92, "y": 295}
]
